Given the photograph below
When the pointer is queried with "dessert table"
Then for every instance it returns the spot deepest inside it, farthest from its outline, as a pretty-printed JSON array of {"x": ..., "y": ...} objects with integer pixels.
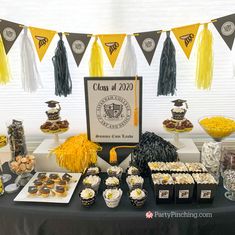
[{"x": 72, "y": 219}]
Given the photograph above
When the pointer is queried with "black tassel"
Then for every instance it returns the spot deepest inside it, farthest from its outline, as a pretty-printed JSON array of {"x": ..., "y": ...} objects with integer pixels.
[
  {"x": 167, "y": 74},
  {"x": 63, "y": 82}
]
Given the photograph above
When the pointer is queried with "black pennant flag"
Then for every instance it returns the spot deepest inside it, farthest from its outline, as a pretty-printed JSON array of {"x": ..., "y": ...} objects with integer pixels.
[
  {"x": 148, "y": 43},
  {"x": 226, "y": 28},
  {"x": 9, "y": 31},
  {"x": 78, "y": 43}
]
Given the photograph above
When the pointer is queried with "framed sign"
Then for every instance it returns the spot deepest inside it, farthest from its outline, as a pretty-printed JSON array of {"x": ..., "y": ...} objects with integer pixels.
[{"x": 111, "y": 104}]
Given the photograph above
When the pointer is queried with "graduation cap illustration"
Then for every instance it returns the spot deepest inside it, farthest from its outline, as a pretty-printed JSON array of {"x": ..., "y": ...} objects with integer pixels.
[
  {"x": 52, "y": 103},
  {"x": 179, "y": 103}
]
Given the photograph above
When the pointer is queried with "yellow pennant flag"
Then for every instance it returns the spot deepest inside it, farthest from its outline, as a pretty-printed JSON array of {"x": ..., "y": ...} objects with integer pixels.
[
  {"x": 112, "y": 44},
  {"x": 42, "y": 39},
  {"x": 186, "y": 36}
]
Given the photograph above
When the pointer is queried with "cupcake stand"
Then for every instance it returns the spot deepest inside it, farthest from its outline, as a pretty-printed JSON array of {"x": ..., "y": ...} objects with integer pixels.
[{"x": 54, "y": 127}]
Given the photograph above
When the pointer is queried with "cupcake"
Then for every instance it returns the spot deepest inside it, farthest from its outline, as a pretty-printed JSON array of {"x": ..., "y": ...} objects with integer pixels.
[
  {"x": 176, "y": 167},
  {"x": 115, "y": 171},
  {"x": 157, "y": 166},
  {"x": 60, "y": 191},
  {"x": 112, "y": 197},
  {"x": 93, "y": 170},
  {"x": 87, "y": 197},
  {"x": 112, "y": 182},
  {"x": 32, "y": 190},
  {"x": 134, "y": 181},
  {"x": 170, "y": 126},
  {"x": 178, "y": 113},
  {"x": 138, "y": 197},
  {"x": 92, "y": 181},
  {"x": 132, "y": 170}
]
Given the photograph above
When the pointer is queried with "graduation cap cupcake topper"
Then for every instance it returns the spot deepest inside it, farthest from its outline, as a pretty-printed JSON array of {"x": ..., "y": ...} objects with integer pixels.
[{"x": 179, "y": 103}]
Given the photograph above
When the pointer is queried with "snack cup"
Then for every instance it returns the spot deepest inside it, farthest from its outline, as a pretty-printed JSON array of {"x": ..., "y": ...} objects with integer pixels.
[{"x": 112, "y": 203}]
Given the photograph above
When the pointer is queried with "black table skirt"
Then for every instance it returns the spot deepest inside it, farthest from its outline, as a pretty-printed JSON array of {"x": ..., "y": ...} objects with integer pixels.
[{"x": 18, "y": 218}]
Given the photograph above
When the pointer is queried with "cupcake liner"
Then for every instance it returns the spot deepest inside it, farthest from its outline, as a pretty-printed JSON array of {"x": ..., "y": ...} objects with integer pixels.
[
  {"x": 112, "y": 203},
  {"x": 139, "y": 202}
]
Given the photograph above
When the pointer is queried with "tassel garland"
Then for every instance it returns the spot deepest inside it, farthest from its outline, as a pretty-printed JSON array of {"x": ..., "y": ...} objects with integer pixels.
[
  {"x": 129, "y": 62},
  {"x": 4, "y": 67},
  {"x": 96, "y": 60},
  {"x": 63, "y": 82},
  {"x": 29, "y": 72},
  {"x": 204, "y": 67},
  {"x": 167, "y": 74}
]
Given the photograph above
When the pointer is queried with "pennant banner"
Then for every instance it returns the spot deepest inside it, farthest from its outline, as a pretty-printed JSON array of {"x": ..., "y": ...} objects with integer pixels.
[
  {"x": 186, "y": 36},
  {"x": 9, "y": 31},
  {"x": 78, "y": 43},
  {"x": 148, "y": 43},
  {"x": 42, "y": 39},
  {"x": 112, "y": 44},
  {"x": 226, "y": 28}
]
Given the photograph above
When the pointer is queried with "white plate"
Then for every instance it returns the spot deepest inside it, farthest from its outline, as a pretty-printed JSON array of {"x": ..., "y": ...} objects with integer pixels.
[{"x": 24, "y": 196}]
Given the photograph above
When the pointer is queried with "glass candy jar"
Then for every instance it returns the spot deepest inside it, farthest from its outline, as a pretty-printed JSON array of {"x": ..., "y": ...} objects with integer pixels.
[
  {"x": 229, "y": 184},
  {"x": 211, "y": 156}
]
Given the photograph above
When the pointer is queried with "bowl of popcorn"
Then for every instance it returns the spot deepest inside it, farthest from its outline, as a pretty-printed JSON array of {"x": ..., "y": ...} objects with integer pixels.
[
  {"x": 218, "y": 127},
  {"x": 22, "y": 166}
]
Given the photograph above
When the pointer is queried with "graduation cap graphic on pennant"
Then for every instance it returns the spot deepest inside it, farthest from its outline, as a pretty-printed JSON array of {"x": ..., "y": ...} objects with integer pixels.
[
  {"x": 78, "y": 43},
  {"x": 148, "y": 43},
  {"x": 226, "y": 28},
  {"x": 10, "y": 32}
]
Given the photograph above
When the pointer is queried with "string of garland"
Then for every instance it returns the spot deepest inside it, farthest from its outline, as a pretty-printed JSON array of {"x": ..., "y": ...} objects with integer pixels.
[
  {"x": 167, "y": 73},
  {"x": 63, "y": 82}
]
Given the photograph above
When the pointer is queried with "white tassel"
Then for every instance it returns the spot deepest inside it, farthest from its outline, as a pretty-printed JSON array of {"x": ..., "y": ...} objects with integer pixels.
[
  {"x": 29, "y": 73},
  {"x": 129, "y": 62}
]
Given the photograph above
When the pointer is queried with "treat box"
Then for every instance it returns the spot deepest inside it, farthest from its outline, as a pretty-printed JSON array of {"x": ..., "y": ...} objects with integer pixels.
[
  {"x": 163, "y": 193},
  {"x": 184, "y": 193},
  {"x": 205, "y": 192},
  {"x": 23, "y": 195}
]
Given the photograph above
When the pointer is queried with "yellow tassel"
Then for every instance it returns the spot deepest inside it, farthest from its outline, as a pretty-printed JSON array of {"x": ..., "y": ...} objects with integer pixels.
[
  {"x": 113, "y": 153},
  {"x": 4, "y": 67},
  {"x": 96, "y": 60},
  {"x": 204, "y": 68},
  {"x": 136, "y": 110}
]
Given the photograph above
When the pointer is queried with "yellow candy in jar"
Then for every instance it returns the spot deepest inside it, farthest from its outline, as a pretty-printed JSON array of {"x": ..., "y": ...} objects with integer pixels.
[{"x": 218, "y": 126}]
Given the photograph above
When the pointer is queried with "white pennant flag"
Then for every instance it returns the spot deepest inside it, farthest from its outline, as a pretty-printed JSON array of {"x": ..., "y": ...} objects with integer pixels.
[
  {"x": 29, "y": 73},
  {"x": 129, "y": 62}
]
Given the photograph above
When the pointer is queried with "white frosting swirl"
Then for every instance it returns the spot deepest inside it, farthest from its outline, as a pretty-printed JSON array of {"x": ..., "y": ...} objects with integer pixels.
[
  {"x": 137, "y": 194},
  {"x": 112, "y": 181},
  {"x": 87, "y": 193}
]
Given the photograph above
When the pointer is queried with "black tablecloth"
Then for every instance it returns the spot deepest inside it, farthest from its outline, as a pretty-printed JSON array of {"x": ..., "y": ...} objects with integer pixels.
[{"x": 55, "y": 219}]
